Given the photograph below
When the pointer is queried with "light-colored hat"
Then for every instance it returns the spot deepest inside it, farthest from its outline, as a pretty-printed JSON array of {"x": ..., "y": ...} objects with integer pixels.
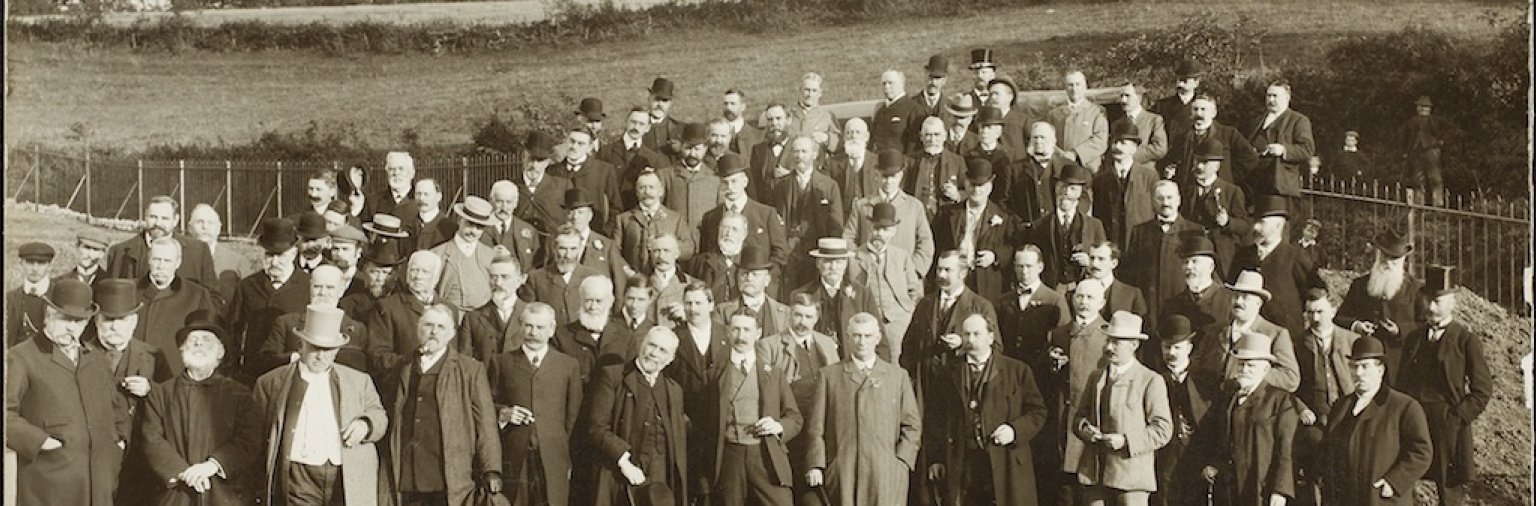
[
  {"x": 322, "y": 327},
  {"x": 387, "y": 225},
  {"x": 831, "y": 247},
  {"x": 1250, "y": 282},
  {"x": 477, "y": 211},
  {"x": 1253, "y": 346},
  {"x": 1125, "y": 325},
  {"x": 348, "y": 233}
]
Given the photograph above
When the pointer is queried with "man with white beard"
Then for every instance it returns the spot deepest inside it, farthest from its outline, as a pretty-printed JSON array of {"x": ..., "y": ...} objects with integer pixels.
[
  {"x": 717, "y": 268},
  {"x": 592, "y": 337},
  {"x": 851, "y": 167},
  {"x": 1384, "y": 302}
]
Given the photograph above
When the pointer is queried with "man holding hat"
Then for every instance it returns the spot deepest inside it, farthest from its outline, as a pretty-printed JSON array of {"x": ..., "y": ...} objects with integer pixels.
[
  {"x": 1378, "y": 442},
  {"x": 666, "y": 131},
  {"x": 135, "y": 364},
  {"x": 1122, "y": 420},
  {"x": 1081, "y": 127},
  {"x": 1421, "y": 139},
  {"x": 979, "y": 229},
  {"x": 278, "y": 289},
  {"x": 466, "y": 279},
  {"x": 638, "y": 427},
  {"x": 1386, "y": 302},
  {"x": 1249, "y": 295},
  {"x": 24, "y": 305},
  {"x": 1155, "y": 243},
  {"x": 985, "y": 69},
  {"x": 809, "y": 118},
  {"x": 1191, "y": 393},
  {"x": 168, "y": 299},
  {"x": 1450, "y": 380},
  {"x": 958, "y": 114},
  {"x": 838, "y": 296},
  {"x": 1288, "y": 272},
  {"x": 889, "y": 272},
  {"x": 540, "y": 190},
  {"x": 323, "y": 421},
  {"x": 932, "y": 98},
  {"x": 896, "y": 118},
  {"x": 913, "y": 233},
  {"x": 934, "y": 172},
  {"x": 1250, "y": 459},
  {"x": 198, "y": 430},
  {"x": 1186, "y": 147},
  {"x": 1217, "y": 204},
  {"x": 752, "y": 280},
  {"x": 1176, "y": 108},
  {"x": 691, "y": 189},
  {"x": 90, "y": 248},
  {"x": 1123, "y": 189},
  {"x": 765, "y": 227},
  {"x": 282, "y": 346},
  {"x": 1202, "y": 299},
  {"x": 1065, "y": 233},
  {"x": 1153, "y": 134}
]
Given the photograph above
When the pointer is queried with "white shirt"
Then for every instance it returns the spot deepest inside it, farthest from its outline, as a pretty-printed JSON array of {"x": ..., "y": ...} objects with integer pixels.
[
  {"x": 803, "y": 178},
  {"x": 1238, "y": 329},
  {"x": 535, "y": 357},
  {"x": 700, "y": 337},
  {"x": 1116, "y": 371},
  {"x": 427, "y": 361},
  {"x": 466, "y": 247},
  {"x": 39, "y": 289},
  {"x": 862, "y": 365},
  {"x": 755, "y": 303},
  {"x": 650, "y": 377},
  {"x": 1269, "y": 118},
  {"x": 504, "y": 307},
  {"x": 429, "y": 213},
  {"x": 803, "y": 341},
  {"x": 1064, "y": 217},
  {"x": 739, "y": 359},
  {"x": 736, "y": 205},
  {"x": 737, "y": 124},
  {"x": 316, "y": 433},
  {"x": 1364, "y": 400},
  {"x": 1437, "y": 330},
  {"x": 574, "y": 165},
  {"x": 630, "y": 144}
]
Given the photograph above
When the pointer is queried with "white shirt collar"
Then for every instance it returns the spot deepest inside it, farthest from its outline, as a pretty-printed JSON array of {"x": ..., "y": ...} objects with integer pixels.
[
  {"x": 314, "y": 378},
  {"x": 738, "y": 358},
  {"x": 737, "y": 124},
  {"x": 429, "y": 213},
  {"x": 466, "y": 247},
  {"x": 535, "y": 356},
  {"x": 427, "y": 361},
  {"x": 1117, "y": 370},
  {"x": 863, "y": 365},
  {"x": 40, "y": 288},
  {"x": 755, "y": 303}
]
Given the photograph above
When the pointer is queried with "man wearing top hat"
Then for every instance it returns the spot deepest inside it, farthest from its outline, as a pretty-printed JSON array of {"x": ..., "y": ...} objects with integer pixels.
[
  {"x": 90, "y": 248},
  {"x": 852, "y": 165},
  {"x": 896, "y": 119},
  {"x": 25, "y": 305},
  {"x": 1122, "y": 188},
  {"x": 1219, "y": 205},
  {"x": 838, "y": 295},
  {"x": 1238, "y": 158},
  {"x": 278, "y": 289},
  {"x": 1322, "y": 356},
  {"x": 753, "y": 275},
  {"x": 1251, "y": 433},
  {"x": 282, "y": 346},
  {"x": 1064, "y": 233},
  {"x": 808, "y": 117},
  {"x": 198, "y": 433},
  {"x": 691, "y": 188},
  {"x": 1122, "y": 420},
  {"x": 636, "y": 228},
  {"x": 1420, "y": 141},
  {"x": 598, "y": 252},
  {"x": 465, "y": 282},
  {"x": 537, "y": 391},
  {"x": 1283, "y": 138},
  {"x": 1155, "y": 244},
  {"x": 1150, "y": 126},
  {"x": 959, "y": 113},
  {"x": 1387, "y": 302},
  {"x": 63, "y": 416},
  {"x": 1249, "y": 295},
  {"x": 511, "y": 234},
  {"x": 666, "y": 131},
  {"x": 933, "y": 171},
  {"x": 168, "y": 298},
  {"x": 323, "y": 420},
  {"x": 932, "y": 99},
  {"x": 979, "y": 229},
  {"x": 1288, "y": 272},
  {"x": 1191, "y": 393},
  {"x": 129, "y": 258},
  {"x": 1202, "y": 299},
  {"x": 913, "y": 232},
  {"x": 888, "y": 271},
  {"x": 765, "y": 226},
  {"x": 1081, "y": 127},
  {"x": 810, "y": 203},
  {"x": 984, "y": 68},
  {"x": 1378, "y": 442},
  {"x": 1450, "y": 380},
  {"x": 540, "y": 189}
]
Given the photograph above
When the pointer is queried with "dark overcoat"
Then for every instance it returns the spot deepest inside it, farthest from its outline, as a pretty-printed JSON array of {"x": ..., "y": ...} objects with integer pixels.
[
  {"x": 1253, "y": 443},
  {"x": 1465, "y": 368},
  {"x": 471, "y": 446},
  {"x": 1008, "y": 395},
  {"x": 1389, "y": 441},
  {"x": 1282, "y": 175},
  {"x": 615, "y": 425},
  {"x": 187, "y": 422},
  {"x": 47, "y": 395},
  {"x": 553, "y": 392},
  {"x": 993, "y": 227},
  {"x": 1288, "y": 274}
]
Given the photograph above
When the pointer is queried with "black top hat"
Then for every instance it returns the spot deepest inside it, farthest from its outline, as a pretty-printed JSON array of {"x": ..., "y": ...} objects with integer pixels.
[
  {"x": 591, "y": 109},
  {"x": 938, "y": 66},
  {"x": 694, "y": 134},
  {"x": 1124, "y": 129},
  {"x": 277, "y": 235},
  {"x": 884, "y": 215},
  {"x": 1197, "y": 245},
  {"x": 755, "y": 258},
  {"x": 1367, "y": 347},
  {"x": 117, "y": 297},
  {"x": 1176, "y": 329},
  {"x": 312, "y": 226},
  {"x": 1438, "y": 280},
  {"x": 1270, "y": 205},
  {"x": 661, "y": 88},
  {"x": 73, "y": 298},
  {"x": 1189, "y": 68},
  {"x": 729, "y": 164},
  {"x": 1393, "y": 245},
  {"x": 1211, "y": 149},
  {"x": 385, "y": 253},
  {"x": 978, "y": 171},
  {"x": 989, "y": 116},
  {"x": 1074, "y": 174},
  {"x": 201, "y": 319},
  {"x": 36, "y": 252},
  {"x": 890, "y": 162},
  {"x": 1424, "y": 100},
  {"x": 982, "y": 57},
  {"x": 574, "y": 198},
  {"x": 540, "y": 145}
]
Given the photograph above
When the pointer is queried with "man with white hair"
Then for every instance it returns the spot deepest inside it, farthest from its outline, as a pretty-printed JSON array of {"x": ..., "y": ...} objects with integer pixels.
[
  {"x": 592, "y": 337},
  {"x": 1082, "y": 128},
  {"x": 392, "y": 327},
  {"x": 281, "y": 347},
  {"x": 395, "y": 199},
  {"x": 765, "y": 226},
  {"x": 511, "y": 234},
  {"x": 168, "y": 298},
  {"x": 558, "y": 282},
  {"x": 933, "y": 171},
  {"x": 1386, "y": 302},
  {"x": 852, "y": 165},
  {"x": 637, "y": 424},
  {"x": 809, "y": 118},
  {"x": 1031, "y": 192},
  {"x": 896, "y": 117},
  {"x": 717, "y": 267}
]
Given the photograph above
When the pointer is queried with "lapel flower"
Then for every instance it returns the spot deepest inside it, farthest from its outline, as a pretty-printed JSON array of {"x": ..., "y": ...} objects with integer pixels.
[
  {"x": 996, "y": 220},
  {"x": 597, "y": 244},
  {"x": 527, "y": 234},
  {"x": 759, "y": 230},
  {"x": 825, "y": 203}
]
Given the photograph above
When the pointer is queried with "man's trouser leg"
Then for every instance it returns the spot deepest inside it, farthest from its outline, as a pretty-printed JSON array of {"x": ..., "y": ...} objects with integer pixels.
[{"x": 306, "y": 485}]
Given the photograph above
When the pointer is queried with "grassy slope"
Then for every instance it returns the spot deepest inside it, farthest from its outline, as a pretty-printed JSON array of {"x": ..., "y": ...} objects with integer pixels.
[{"x": 135, "y": 99}]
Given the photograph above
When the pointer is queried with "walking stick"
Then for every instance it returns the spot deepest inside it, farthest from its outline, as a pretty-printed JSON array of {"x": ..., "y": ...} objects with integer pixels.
[{"x": 1210, "y": 494}]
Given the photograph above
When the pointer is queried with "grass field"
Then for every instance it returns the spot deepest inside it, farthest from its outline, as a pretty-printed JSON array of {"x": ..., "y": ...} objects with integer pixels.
[
  {"x": 478, "y": 13},
  {"x": 131, "y": 99}
]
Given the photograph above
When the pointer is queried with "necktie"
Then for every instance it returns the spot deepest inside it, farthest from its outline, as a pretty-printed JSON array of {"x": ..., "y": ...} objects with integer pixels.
[
  {"x": 946, "y": 302},
  {"x": 1104, "y": 397},
  {"x": 742, "y": 366},
  {"x": 115, "y": 356},
  {"x": 1435, "y": 333},
  {"x": 277, "y": 285},
  {"x": 534, "y": 359}
]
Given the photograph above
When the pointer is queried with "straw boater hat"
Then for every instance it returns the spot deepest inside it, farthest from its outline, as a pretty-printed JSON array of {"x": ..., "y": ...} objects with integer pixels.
[
  {"x": 476, "y": 210},
  {"x": 1125, "y": 325},
  {"x": 831, "y": 247},
  {"x": 1250, "y": 282},
  {"x": 117, "y": 298},
  {"x": 322, "y": 327},
  {"x": 1253, "y": 346},
  {"x": 73, "y": 298},
  {"x": 386, "y": 225}
]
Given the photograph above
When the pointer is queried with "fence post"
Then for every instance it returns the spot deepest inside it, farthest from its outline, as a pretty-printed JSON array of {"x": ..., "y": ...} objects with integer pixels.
[
  {"x": 37, "y": 167},
  {"x": 229, "y": 196},
  {"x": 464, "y": 176},
  {"x": 88, "y": 184},
  {"x": 279, "y": 189},
  {"x": 141, "y": 190},
  {"x": 181, "y": 184}
]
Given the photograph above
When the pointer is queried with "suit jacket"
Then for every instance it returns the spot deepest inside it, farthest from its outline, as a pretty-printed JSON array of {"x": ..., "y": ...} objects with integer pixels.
[
  {"x": 483, "y": 334},
  {"x": 1406, "y": 308},
  {"x": 600, "y": 180},
  {"x": 601, "y": 255},
  {"x": 465, "y": 282},
  {"x": 615, "y": 426},
  {"x": 1024, "y": 324},
  {"x": 1282, "y": 175},
  {"x": 715, "y": 270},
  {"x": 779, "y": 350},
  {"x": 470, "y": 442},
  {"x": 383, "y": 202},
  {"x": 913, "y": 233},
  {"x": 857, "y": 424},
  {"x": 1312, "y": 394},
  {"x": 774, "y": 400},
  {"x": 553, "y": 391},
  {"x": 1252, "y": 446},
  {"x": 1064, "y": 388},
  {"x": 392, "y": 332},
  {"x": 613, "y": 344},
  {"x": 809, "y": 213},
  {"x": 804, "y": 121},
  {"x": 1083, "y": 130},
  {"x": 1388, "y": 440},
  {"x": 47, "y": 395},
  {"x": 1123, "y": 203},
  {"x": 130, "y": 259},
  {"x": 1015, "y": 136},
  {"x": 690, "y": 369},
  {"x": 895, "y": 125},
  {"x": 1239, "y": 162},
  {"x": 1216, "y": 355},
  {"x": 1138, "y": 409},
  {"x": 1209, "y": 307},
  {"x": 1154, "y": 139},
  {"x": 855, "y": 181},
  {"x": 1156, "y": 267},
  {"x": 993, "y": 227},
  {"x": 633, "y": 233},
  {"x": 928, "y": 184},
  {"x": 277, "y": 349},
  {"x": 548, "y": 286},
  {"x": 429, "y": 234},
  {"x": 1180, "y": 463},
  {"x": 1083, "y": 231},
  {"x": 929, "y": 322},
  {"x": 23, "y": 316},
  {"x": 1005, "y": 394},
  {"x": 1203, "y": 210},
  {"x": 776, "y": 312},
  {"x": 691, "y": 194},
  {"x": 250, "y": 315},
  {"x": 744, "y": 140},
  {"x": 1463, "y": 366},
  {"x": 540, "y": 207},
  {"x": 763, "y": 165},
  {"x": 1288, "y": 274},
  {"x": 851, "y": 298},
  {"x": 1176, "y": 113},
  {"x": 1122, "y": 297},
  {"x": 520, "y": 238},
  {"x": 354, "y": 398},
  {"x": 1030, "y": 188},
  {"x": 628, "y": 164},
  {"x": 765, "y": 230},
  {"x": 896, "y": 284},
  {"x": 663, "y": 133},
  {"x": 139, "y": 359}
]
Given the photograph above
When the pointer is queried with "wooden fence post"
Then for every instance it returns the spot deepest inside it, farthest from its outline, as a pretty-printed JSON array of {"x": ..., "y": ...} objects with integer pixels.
[
  {"x": 37, "y": 168},
  {"x": 181, "y": 185},
  {"x": 229, "y": 197},
  {"x": 141, "y": 189},
  {"x": 279, "y": 189},
  {"x": 88, "y": 183}
]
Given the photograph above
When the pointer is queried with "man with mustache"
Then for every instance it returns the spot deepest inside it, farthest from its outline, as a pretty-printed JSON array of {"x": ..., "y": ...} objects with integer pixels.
[
  {"x": 913, "y": 233},
  {"x": 1122, "y": 420},
  {"x": 852, "y": 164},
  {"x": 129, "y": 259},
  {"x": 750, "y": 414},
  {"x": 932, "y": 101},
  {"x": 392, "y": 326},
  {"x": 89, "y": 250},
  {"x": 809, "y": 118},
  {"x": 1288, "y": 272},
  {"x": 1283, "y": 138},
  {"x": 628, "y": 154},
  {"x": 934, "y": 172},
  {"x": 278, "y": 289},
  {"x": 1081, "y": 124},
  {"x": 1202, "y": 299},
  {"x": 378, "y": 270},
  {"x": 168, "y": 298},
  {"x": 717, "y": 268},
  {"x": 1249, "y": 295},
  {"x": 667, "y": 280},
  {"x": 768, "y": 158},
  {"x": 1187, "y": 147},
  {"x": 1065, "y": 231},
  {"x": 666, "y": 131},
  {"x": 314, "y": 241},
  {"x": 690, "y": 187},
  {"x": 1123, "y": 188},
  {"x": 466, "y": 278},
  {"x": 134, "y": 364},
  {"x": 540, "y": 190},
  {"x": 1322, "y": 355},
  {"x": 321, "y": 190},
  {"x": 1103, "y": 259},
  {"x": 1386, "y": 302},
  {"x": 400, "y": 178},
  {"x": 896, "y": 117},
  {"x": 766, "y": 228},
  {"x": 593, "y": 338},
  {"x": 511, "y": 235},
  {"x": 538, "y": 392},
  {"x": 718, "y": 140},
  {"x": 1149, "y": 127},
  {"x": 1219, "y": 205},
  {"x": 597, "y": 177},
  {"x": 1378, "y": 441},
  {"x": 493, "y": 329},
  {"x": 1159, "y": 269},
  {"x": 810, "y": 203},
  {"x": 1250, "y": 460},
  {"x": 637, "y": 424},
  {"x": 1075, "y": 351},
  {"x": 1175, "y": 108},
  {"x": 430, "y": 226},
  {"x": 558, "y": 283},
  {"x": 25, "y": 305},
  {"x": 638, "y": 227},
  {"x": 744, "y": 134},
  {"x": 282, "y": 346},
  {"x": 1030, "y": 193}
]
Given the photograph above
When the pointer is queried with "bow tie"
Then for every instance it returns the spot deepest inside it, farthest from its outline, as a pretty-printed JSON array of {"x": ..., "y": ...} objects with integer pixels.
[
  {"x": 1166, "y": 222},
  {"x": 1026, "y": 290}
]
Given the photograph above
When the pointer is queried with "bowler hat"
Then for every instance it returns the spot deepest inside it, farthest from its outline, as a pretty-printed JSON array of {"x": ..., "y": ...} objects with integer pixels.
[
  {"x": 539, "y": 145},
  {"x": 1176, "y": 329},
  {"x": 989, "y": 116},
  {"x": 1250, "y": 282},
  {"x": 117, "y": 297},
  {"x": 729, "y": 164},
  {"x": 386, "y": 225},
  {"x": 831, "y": 247},
  {"x": 1253, "y": 346},
  {"x": 963, "y": 105},
  {"x": 982, "y": 57},
  {"x": 1438, "y": 280},
  {"x": 1352, "y": 133},
  {"x": 661, "y": 88},
  {"x": 1367, "y": 347},
  {"x": 36, "y": 252},
  {"x": 1270, "y": 205},
  {"x": 348, "y": 233},
  {"x": 1393, "y": 245},
  {"x": 1125, "y": 325},
  {"x": 73, "y": 298},
  {"x": 1125, "y": 129},
  {"x": 1424, "y": 101},
  {"x": 884, "y": 215},
  {"x": 199, "y": 320},
  {"x": 938, "y": 66},
  {"x": 978, "y": 171},
  {"x": 311, "y": 226},
  {"x": 277, "y": 235},
  {"x": 574, "y": 198},
  {"x": 477, "y": 210},
  {"x": 1188, "y": 68},
  {"x": 890, "y": 162},
  {"x": 1210, "y": 149},
  {"x": 385, "y": 253},
  {"x": 1073, "y": 173},
  {"x": 1197, "y": 245},
  {"x": 322, "y": 327},
  {"x": 754, "y": 258},
  {"x": 90, "y": 240},
  {"x": 694, "y": 134},
  {"x": 1006, "y": 81},
  {"x": 591, "y": 109}
]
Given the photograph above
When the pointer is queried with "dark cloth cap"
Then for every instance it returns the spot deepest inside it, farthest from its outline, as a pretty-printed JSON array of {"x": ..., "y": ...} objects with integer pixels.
[{"x": 36, "y": 252}]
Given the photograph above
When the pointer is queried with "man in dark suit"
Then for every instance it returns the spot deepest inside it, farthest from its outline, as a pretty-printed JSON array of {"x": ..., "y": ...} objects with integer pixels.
[
  {"x": 981, "y": 426},
  {"x": 597, "y": 177},
  {"x": 1203, "y": 300},
  {"x": 395, "y": 199},
  {"x": 716, "y": 266},
  {"x": 1064, "y": 234},
  {"x": 1386, "y": 302},
  {"x": 628, "y": 154},
  {"x": 1028, "y": 312},
  {"x": 838, "y": 296},
  {"x": 935, "y": 328},
  {"x": 1103, "y": 259},
  {"x": 1283, "y": 138},
  {"x": 168, "y": 298},
  {"x": 1175, "y": 108},
  {"x": 853, "y": 167},
  {"x": 750, "y": 412},
  {"x": 1288, "y": 272},
  {"x": 135, "y": 365},
  {"x": 1159, "y": 269},
  {"x": 558, "y": 282},
  {"x": 281, "y": 346},
  {"x": 494, "y": 328},
  {"x": 1450, "y": 380},
  {"x": 1031, "y": 189},
  {"x": 1238, "y": 158},
  {"x": 1190, "y": 395},
  {"x": 1322, "y": 356},
  {"x": 1218, "y": 205},
  {"x": 90, "y": 249},
  {"x": 598, "y": 252},
  {"x": 744, "y": 134},
  {"x": 541, "y": 191},
  {"x": 278, "y": 289},
  {"x": 637, "y": 228},
  {"x": 933, "y": 171},
  {"x": 704, "y": 347},
  {"x": 1249, "y": 296},
  {"x": 532, "y": 382},
  {"x": 1377, "y": 444},
  {"x": 516, "y": 237},
  {"x": 592, "y": 337},
  {"x": 1250, "y": 459},
  {"x": 980, "y": 230},
  {"x": 897, "y": 117},
  {"x": 752, "y": 279},
  {"x": 637, "y": 424},
  {"x": 1122, "y": 188},
  {"x": 130, "y": 258},
  {"x": 392, "y": 327},
  {"x": 666, "y": 131},
  {"x": 1420, "y": 141},
  {"x": 767, "y": 159},
  {"x": 810, "y": 204},
  {"x": 24, "y": 305},
  {"x": 765, "y": 227}
]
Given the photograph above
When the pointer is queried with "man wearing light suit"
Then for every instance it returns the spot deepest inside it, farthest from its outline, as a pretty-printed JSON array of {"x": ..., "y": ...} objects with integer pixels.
[
  {"x": 1080, "y": 123},
  {"x": 1122, "y": 420},
  {"x": 466, "y": 281},
  {"x": 1149, "y": 125},
  {"x": 912, "y": 234},
  {"x": 888, "y": 272}
]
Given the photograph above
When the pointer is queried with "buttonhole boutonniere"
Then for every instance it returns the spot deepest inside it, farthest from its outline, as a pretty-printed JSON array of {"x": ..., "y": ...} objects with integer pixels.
[
  {"x": 598, "y": 244},
  {"x": 996, "y": 220}
]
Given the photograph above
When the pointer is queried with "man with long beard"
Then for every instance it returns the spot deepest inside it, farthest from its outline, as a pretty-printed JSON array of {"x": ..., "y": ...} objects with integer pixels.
[{"x": 1384, "y": 302}]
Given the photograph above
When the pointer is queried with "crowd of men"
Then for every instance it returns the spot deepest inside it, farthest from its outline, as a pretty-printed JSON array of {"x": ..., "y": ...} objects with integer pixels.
[{"x": 950, "y": 303}]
